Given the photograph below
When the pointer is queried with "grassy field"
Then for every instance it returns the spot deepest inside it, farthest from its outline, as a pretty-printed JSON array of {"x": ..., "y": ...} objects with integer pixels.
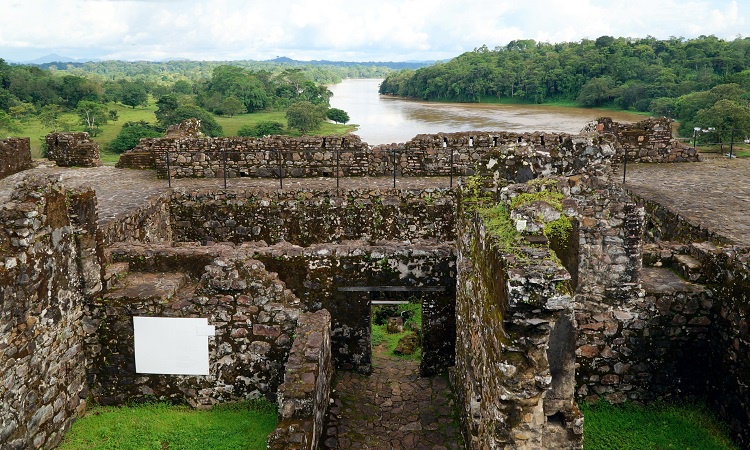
[
  {"x": 379, "y": 334},
  {"x": 741, "y": 150},
  {"x": 34, "y": 129},
  {"x": 631, "y": 427},
  {"x": 159, "y": 426}
]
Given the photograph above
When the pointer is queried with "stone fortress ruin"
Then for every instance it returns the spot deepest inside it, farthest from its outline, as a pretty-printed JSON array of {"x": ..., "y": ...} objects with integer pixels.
[{"x": 543, "y": 281}]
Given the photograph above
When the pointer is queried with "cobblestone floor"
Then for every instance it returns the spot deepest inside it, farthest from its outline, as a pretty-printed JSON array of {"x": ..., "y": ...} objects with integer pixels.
[
  {"x": 714, "y": 194},
  {"x": 393, "y": 408}
]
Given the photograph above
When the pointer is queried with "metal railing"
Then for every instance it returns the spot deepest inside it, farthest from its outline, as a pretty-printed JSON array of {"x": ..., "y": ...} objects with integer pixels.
[{"x": 390, "y": 166}]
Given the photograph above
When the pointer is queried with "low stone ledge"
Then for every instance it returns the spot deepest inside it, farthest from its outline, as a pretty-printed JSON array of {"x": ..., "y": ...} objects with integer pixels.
[
  {"x": 15, "y": 156},
  {"x": 73, "y": 149},
  {"x": 305, "y": 394}
]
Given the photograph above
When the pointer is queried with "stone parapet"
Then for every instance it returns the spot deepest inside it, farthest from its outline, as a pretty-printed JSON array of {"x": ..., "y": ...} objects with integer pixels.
[
  {"x": 15, "y": 156},
  {"x": 647, "y": 141},
  {"x": 515, "y": 366},
  {"x": 304, "y": 396},
  {"x": 73, "y": 149},
  {"x": 45, "y": 276}
]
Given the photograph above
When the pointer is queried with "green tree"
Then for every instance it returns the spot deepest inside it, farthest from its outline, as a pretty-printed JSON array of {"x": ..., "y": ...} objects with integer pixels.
[
  {"x": 133, "y": 93},
  {"x": 165, "y": 107},
  {"x": 337, "y": 115},
  {"x": 231, "y": 106},
  {"x": 49, "y": 116},
  {"x": 182, "y": 87},
  {"x": 265, "y": 128},
  {"x": 8, "y": 123},
  {"x": 92, "y": 115},
  {"x": 727, "y": 117},
  {"x": 208, "y": 124},
  {"x": 305, "y": 116},
  {"x": 597, "y": 91},
  {"x": 131, "y": 134},
  {"x": 22, "y": 111}
]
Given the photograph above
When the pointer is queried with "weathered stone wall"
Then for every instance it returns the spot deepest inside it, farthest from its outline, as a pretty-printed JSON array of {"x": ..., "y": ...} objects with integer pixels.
[
  {"x": 151, "y": 222},
  {"x": 44, "y": 262},
  {"x": 15, "y": 156},
  {"x": 718, "y": 318},
  {"x": 515, "y": 344},
  {"x": 512, "y": 156},
  {"x": 305, "y": 216},
  {"x": 648, "y": 141},
  {"x": 254, "y": 314},
  {"x": 317, "y": 273},
  {"x": 73, "y": 149},
  {"x": 305, "y": 394}
]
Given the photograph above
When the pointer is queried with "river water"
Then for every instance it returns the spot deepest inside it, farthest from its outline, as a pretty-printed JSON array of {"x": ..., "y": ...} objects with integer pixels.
[{"x": 385, "y": 119}]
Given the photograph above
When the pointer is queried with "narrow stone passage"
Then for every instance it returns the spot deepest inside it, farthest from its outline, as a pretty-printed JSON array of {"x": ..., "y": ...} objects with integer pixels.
[{"x": 393, "y": 408}]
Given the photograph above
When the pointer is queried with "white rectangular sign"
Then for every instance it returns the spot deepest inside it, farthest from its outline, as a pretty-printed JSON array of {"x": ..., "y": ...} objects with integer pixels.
[{"x": 171, "y": 345}]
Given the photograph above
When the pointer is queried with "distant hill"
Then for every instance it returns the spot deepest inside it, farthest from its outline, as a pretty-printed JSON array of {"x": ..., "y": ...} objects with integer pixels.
[
  {"x": 54, "y": 57},
  {"x": 390, "y": 64}
]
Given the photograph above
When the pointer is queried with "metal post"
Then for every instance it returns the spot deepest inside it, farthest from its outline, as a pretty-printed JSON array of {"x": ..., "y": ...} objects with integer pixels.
[
  {"x": 394, "y": 167},
  {"x": 625, "y": 165},
  {"x": 338, "y": 165},
  {"x": 169, "y": 172},
  {"x": 731, "y": 144},
  {"x": 281, "y": 171},
  {"x": 451, "y": 150},
  {"x": 224, "y": 154},
  {"x": 695, "y": 135}
]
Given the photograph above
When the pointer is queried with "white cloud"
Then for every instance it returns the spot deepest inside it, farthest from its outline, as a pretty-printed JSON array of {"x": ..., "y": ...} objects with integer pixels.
[{"x": 338, "y": 29}]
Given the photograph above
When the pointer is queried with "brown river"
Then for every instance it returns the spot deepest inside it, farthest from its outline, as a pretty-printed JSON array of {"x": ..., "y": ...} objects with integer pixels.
[{"x": 384, "y": 119}]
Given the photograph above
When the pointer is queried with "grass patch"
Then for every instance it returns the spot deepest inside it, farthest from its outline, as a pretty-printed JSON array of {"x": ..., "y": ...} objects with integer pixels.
[
  {"x": 624, "y": 427},
  {"x": 380, "y": 335},
  {"x": 740, "y": 149},
  {"x": 161, "y": 426}
]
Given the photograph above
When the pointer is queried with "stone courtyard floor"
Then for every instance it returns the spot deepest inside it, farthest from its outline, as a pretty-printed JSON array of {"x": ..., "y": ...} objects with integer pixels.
[
  {"x": 714, "y": 194},
  {"x": 392, "y": 408}
]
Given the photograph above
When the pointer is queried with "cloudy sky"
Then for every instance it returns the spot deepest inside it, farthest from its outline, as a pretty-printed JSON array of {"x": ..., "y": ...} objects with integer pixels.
[{"x": 352, "y": 30}]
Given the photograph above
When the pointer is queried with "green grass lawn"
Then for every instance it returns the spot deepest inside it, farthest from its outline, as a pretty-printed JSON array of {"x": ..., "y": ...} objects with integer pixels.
[
  {"x": 740, "y": 149},
  {"x": 379, "y": 334},
  {"x": 34, "y": 129},
  {"x": 161, "y": 426},
  {"x": 631, "y": 427}
]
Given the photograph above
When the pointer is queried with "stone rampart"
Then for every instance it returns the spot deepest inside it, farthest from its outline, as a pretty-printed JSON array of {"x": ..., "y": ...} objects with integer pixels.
[
  {"x": 44, "y": 274},
  {"x": 305, "y": 394},
  {"x": 648, "y": 141},
  {"x": 515, "y": 366},
  {"x": 512, "y": 156},
  {"x": 305, "y": 216},
  {"x": 72, "y": 149},
  {"x": 15, "y": 156}
]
